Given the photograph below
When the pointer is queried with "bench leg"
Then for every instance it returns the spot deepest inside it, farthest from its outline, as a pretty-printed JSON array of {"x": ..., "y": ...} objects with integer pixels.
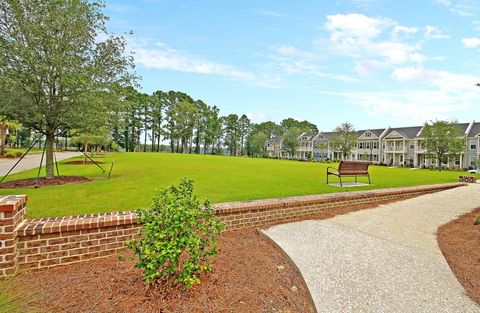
[
  {"x": 327, "y": 178},
  {"x": 369, "y": 182},
  {"x": 355, "y": 178},
  {"x": 341, "y": 184}
]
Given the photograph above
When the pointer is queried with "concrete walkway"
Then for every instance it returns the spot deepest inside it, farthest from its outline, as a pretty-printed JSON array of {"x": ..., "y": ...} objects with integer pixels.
[
  {"x": 30, "y": 161},
  {"x": 384, "y": 259}
]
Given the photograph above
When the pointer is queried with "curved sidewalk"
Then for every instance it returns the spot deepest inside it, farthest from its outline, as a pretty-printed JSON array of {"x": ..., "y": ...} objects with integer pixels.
[
  {"x": 31, "y": 161},
  {"x": 384, "y": 259}
]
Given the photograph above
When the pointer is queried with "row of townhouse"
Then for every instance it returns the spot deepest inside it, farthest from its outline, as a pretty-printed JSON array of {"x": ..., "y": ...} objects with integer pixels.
[{"x": 391, "y": 146}]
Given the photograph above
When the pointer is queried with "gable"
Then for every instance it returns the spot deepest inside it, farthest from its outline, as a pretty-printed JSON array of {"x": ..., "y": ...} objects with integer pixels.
[
  {"x": 368, "y": 135},
  {"x": 395, "y": 134}
]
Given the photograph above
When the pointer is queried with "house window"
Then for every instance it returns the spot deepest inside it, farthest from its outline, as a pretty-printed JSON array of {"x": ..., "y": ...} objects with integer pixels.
[
  {"x": 473, "y": 144},
  {"x": 368, "y": 134},
  {"x": 360, "y": 145},
  {"x": 473, "y": 161},
  {"x": 375, "y": 145}
]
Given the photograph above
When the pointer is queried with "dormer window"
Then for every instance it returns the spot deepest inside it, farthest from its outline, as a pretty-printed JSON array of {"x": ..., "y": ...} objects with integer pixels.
[{"x": 368, "y": 134}]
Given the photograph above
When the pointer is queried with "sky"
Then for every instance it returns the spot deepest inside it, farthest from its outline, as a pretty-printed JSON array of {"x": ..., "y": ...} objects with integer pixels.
[{"x": 374, "y": 63}]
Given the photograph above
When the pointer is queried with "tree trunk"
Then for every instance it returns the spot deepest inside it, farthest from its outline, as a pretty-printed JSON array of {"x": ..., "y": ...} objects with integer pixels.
[
  {"x": 158, "y": 142},
  {"x": 145, "y": 140},
  {"x": 49, "y": 155},
  {"x": 3, "y": 138},
  {"x": 153, "y": 139}
]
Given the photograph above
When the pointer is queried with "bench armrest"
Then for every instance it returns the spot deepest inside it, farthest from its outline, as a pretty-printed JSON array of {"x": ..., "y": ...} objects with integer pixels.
[{"x": 331, "y": 168}]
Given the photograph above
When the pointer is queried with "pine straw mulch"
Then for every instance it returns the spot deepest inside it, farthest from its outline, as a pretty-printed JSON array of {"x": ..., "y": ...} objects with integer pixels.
[
  {"x": 459, "y": 241},
  {"x": 249, "y": 275},
  {"x": 42, "y": 181}
]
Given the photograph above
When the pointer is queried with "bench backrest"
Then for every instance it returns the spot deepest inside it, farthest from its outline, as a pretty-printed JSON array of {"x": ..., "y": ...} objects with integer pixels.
[{"x": 353, "y": 167}]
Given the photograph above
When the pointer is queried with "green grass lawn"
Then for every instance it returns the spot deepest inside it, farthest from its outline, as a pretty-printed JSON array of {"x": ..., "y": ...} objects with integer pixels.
[{"x": 137, "y": 176}]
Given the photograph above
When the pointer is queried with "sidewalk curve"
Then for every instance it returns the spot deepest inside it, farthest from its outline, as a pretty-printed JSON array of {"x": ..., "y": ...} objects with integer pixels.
[
  {"x": 31, "y": 161},
  {"x": 384, "y": 259}
]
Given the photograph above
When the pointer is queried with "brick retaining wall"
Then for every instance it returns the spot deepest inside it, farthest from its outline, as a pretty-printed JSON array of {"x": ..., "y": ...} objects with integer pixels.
[{"x": 48, "y": 242}]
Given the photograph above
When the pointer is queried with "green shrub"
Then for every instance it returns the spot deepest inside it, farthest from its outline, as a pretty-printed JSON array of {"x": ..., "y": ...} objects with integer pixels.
[
  {"x": 477, "y": 222},
  {"x": 14, "y": 153},
  {"x": 178, "y": 237},
  {"x": 10, "y": 155}
]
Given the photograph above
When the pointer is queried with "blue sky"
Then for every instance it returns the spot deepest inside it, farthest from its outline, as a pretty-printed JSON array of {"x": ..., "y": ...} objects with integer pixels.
[{"x": 374, "y": 63}]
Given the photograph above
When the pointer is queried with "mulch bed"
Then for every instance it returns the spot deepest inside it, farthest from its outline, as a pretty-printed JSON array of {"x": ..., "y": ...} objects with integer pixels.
[
  {"x": 249, "y": 275},
  {"x": 82, "y": 162},
  {"x": 459, "y": 241},
  {"x": 42, "y": 181}
]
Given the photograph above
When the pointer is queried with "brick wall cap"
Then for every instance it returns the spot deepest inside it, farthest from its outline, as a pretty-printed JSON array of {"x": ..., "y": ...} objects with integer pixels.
[
  {"x": 12, "y": 203},
  {"x": 265, "y": 204}
]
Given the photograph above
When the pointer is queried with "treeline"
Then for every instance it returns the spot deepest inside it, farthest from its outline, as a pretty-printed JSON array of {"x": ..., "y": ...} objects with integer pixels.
[{"x": 144, "y": 122}]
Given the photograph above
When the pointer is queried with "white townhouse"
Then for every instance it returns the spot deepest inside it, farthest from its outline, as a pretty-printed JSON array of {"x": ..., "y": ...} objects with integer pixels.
[
  {"x": 391, "y": 146},
  {"x": 399, "y": 146},
  {"x": 275, "y": 147},
  {"x": 369, "y": 145},
  {"x": 472, "y": 155}
]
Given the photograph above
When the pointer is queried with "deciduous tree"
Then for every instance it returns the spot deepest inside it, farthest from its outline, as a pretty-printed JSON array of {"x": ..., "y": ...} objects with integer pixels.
[
  {"x": 443, "y": 139},
  {"x": 59, "y": 56},
  {"x": 344, "y": 139}
]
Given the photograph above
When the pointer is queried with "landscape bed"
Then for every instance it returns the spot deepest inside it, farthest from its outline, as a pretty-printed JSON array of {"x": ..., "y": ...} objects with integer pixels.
[
  {"x": 136, "y": 177},
  {"x": 249, "y": 275},
  {"x": 459, "y": 241}
]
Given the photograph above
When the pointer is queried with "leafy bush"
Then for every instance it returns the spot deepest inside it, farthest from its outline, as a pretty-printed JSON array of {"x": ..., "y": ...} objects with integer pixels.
[
  {"x": 477, "y": 222},
  {"x": 10, "y": 155},
  {"x": 178, "y": 237},
  {"x": 14, "y": 153}
]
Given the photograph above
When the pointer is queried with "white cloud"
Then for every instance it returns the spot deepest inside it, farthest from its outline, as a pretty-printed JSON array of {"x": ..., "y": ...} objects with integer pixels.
[
  {"x": 413, "y": 106},
  {"x": 443, "y": 81},
  {"x": 399, "y": 29},
  {"x": 431, "y": 95},
  {"x": 291, "y": 51},
  {"x": 365, "y": 37},
  {"x": 409, "y": 74},
  {"x": 347, "y": 29},
  {"x": 257, "y": 117},
  {"x": 472, "y": 42},
  {"x": 476, "y": 25},
  {"x": 269, "y": 13},
  {"x": 434, "y": 33},
  {"x": 367, "y": 67},
  {"x": 165, "y": 58},
  {"x": 301, "y": 67},
  {"x": 461, "y": 7}
]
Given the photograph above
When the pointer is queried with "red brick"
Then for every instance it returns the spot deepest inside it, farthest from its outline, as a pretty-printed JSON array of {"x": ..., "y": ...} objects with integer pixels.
[
  {"x": 70, "y": 259},
  {"x": 45, "y": 263}
]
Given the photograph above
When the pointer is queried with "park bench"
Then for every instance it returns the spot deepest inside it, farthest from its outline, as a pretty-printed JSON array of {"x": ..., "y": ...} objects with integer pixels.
[{"x": 350, "y": 169}]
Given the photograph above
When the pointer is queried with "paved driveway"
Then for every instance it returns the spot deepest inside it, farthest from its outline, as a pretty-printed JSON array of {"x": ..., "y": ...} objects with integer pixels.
[
  {"x": 384, "y": 259},
  {"x": 30, "y": 161}
]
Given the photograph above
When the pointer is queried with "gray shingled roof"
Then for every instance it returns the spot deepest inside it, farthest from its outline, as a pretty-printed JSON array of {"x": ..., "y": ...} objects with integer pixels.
[
  {"x": 327, "y": 135},
  {"x": 407, "y": 132},
  {"x": 475, "y": 130},
  {"x": 277, "y": 139},
  {"x": 376, "y": 132},
  {"x": 309, "y": 136},
  {"x": 463, "y": 128}
]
